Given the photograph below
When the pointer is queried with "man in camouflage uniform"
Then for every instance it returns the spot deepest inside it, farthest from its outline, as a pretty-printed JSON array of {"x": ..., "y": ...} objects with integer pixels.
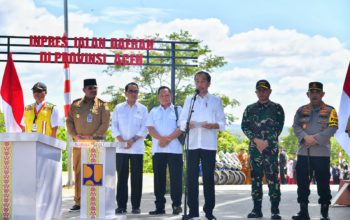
[
  {"x": 262, "y": 123},
  {"x": 314, "y": 125}
]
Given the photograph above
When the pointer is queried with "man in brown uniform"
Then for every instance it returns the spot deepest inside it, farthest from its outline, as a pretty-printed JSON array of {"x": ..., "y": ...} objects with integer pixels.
[
  {"x": 88, "y": 119},
  {"x": 244, "y": 159}
]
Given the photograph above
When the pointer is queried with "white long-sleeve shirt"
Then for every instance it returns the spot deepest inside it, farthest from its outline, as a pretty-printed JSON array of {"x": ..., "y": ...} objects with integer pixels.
[
  {"x": 208, "y": 109},
  {"x": 129, "y": 121},
  {"x": 164, "y": 122}
]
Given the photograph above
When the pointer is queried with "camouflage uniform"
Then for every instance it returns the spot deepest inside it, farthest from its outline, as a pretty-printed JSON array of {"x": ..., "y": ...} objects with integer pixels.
[{"x": 264, "y": 121}]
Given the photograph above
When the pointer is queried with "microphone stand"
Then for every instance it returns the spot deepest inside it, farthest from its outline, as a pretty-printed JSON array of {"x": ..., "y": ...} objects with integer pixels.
[{"x": 187, "y": 135}]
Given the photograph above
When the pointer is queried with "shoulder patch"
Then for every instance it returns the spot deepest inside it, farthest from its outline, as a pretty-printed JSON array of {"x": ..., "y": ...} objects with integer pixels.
[{"x": 333, "y": 119}]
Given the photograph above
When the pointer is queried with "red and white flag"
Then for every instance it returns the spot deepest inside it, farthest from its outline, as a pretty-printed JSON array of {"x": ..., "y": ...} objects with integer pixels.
[
  {"x": 344, "y": 113},
  {"x": 12, "y": 98}
]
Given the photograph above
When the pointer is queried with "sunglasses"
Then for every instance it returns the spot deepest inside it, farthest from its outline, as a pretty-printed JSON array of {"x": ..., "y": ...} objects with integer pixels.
[
  {"x": 133, "y": 91},
  {"x": 38, "y": 91}
]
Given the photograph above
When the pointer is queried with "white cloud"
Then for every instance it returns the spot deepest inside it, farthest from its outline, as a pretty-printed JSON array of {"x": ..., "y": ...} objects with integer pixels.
[
  {"x": 131, "y": 16},
  {"x": 23, "y": 17},
  {"x": 287, "y": 58}
]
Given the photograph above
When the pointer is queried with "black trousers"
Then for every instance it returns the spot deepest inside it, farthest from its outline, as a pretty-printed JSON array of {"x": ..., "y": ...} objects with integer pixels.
[
  {"x": 160, "y": 163},
  {"x": 283, "y": 173},
  {"x": 319, "y": 166},
  {"x": 207, "y": 158},
  {"x": 136, "y": 165}
]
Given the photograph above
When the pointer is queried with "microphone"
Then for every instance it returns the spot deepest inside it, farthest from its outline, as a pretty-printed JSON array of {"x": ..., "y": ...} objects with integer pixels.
[{"x": 195, "y": 94}]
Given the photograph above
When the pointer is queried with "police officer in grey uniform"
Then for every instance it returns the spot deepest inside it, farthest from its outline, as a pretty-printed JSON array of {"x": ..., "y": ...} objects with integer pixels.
[{"x": 314, "y": 125}]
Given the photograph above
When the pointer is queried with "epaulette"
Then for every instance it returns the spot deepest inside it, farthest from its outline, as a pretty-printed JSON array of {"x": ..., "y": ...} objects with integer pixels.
[{"x": 77, "y": 100}]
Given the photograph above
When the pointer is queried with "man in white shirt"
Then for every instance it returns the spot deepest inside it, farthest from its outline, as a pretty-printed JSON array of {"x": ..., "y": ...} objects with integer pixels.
[
  {"x": 41, "y": 116},
  {"x": 207, "y": 119},
  {"x": 128, "y": 128},
  {"x": 166, "y": 151}
]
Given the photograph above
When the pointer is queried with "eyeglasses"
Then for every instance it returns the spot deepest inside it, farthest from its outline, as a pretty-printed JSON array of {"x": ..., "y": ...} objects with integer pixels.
[
  {"x": 38, "y": 91},
  {"x": 91, "y": 87},
  {"x": 133, "y": 91}
]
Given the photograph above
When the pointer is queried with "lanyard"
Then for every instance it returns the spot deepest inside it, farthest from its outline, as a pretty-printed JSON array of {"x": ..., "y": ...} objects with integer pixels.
[{"x": 37, "y": 112}]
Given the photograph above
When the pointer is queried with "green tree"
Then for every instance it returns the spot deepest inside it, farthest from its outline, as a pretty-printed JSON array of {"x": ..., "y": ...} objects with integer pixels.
[
  {"x": 2, "y": 123},
  {"x": 290, "y": 142},
  {"x": 335, "y": 152},
  {"x": 62, "y": 135},
  {"x": 152, "y": 77}
]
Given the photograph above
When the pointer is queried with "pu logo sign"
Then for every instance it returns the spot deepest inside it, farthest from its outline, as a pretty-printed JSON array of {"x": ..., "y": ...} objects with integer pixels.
[{"x": 92, "y": 174}]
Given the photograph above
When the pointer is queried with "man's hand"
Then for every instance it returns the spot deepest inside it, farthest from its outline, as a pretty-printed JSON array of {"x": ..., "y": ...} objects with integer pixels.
[
  {"x": 210, "y": 126},
  {"x": 310, "y": 140},
  {"x": 260, "y": 144},
  {"x": 164, "y": 141},
  {"x": 120, "y": 139},
  {"x": 191, "y": 126},
  {"x": 129, "y": 143}
]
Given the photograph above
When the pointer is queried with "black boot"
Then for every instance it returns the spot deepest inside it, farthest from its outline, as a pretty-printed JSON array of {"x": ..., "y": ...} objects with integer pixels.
[
  {"x": 324, "y": 211},
  {"x": 256, "y": 212},
  {"x": 303, "y": 214},
  {"x": 275, "y": 212}
]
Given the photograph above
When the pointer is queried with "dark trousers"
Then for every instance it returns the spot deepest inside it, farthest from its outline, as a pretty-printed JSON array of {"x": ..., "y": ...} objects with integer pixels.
[
  {"x": 136, "y": 165},
  {"x": 319, "y": 166},
  {"x": 283, "y": 174},
  {"x": 207, "y": 159},
  {"x": 160, "y": 163}
]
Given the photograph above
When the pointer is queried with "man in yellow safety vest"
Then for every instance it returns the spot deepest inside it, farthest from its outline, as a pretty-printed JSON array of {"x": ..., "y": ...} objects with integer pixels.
[{"x": 41, "y": 116}]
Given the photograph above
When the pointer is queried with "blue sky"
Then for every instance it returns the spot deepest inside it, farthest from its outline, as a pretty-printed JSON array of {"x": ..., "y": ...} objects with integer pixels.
[
  {"x": 311, "y": 17},
  {"x": 287, "y": 42}
]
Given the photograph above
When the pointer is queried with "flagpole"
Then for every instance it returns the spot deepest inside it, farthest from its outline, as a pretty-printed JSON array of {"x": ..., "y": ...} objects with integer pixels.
[{"x": 67, "y": 96}]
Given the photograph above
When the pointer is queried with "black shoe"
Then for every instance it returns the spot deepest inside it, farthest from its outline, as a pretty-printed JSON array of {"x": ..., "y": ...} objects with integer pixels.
[
  {"x": 275, "y": 216},
  {"x": 255, "y": 214},
  {"x": 120, "y": 211},
  {"x": 303, "y": 214},
  {"x": 157, "y": 212},
  {"x": 324, "y": 211},
  {"x": 75, "y": 208},
  {"x": 177, "y": 210},
  {"x": 136, "y": 211},
  {"x": 210, "y": 217},
  {"x": 190, "y": 217},
  {"x": 275, "y": 211}
]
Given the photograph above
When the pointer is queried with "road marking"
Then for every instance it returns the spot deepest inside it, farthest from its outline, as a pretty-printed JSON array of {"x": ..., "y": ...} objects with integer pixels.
[
  {"x": 223, "y": 204},
  {"x": 233, "y": 201}
]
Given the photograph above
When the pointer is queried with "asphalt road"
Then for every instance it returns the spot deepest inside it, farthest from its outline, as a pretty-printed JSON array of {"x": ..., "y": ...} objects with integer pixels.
[{"x": 232, "y": 202}]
